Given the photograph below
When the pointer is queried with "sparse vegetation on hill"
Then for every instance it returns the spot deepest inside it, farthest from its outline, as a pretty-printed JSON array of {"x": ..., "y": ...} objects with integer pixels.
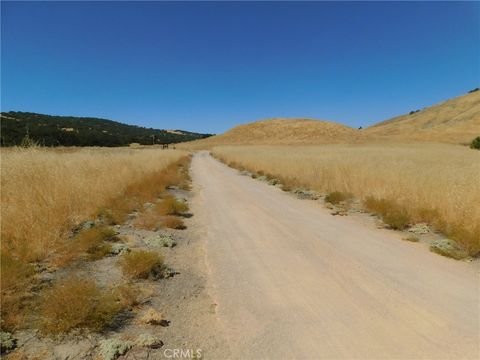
[
  {"x": 453, "y": 121},
  {"x": 401, "y": 183},
  {"x": 19, "y": 128}
]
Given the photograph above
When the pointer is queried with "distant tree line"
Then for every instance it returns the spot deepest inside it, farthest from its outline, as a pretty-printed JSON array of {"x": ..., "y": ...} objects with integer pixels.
[{"x": 50, "y": 130}]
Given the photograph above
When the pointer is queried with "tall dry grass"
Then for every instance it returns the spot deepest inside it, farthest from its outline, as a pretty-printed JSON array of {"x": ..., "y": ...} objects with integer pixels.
[
  {"x": 438, "y": 184},
  {"x": 46, "y": 192}
]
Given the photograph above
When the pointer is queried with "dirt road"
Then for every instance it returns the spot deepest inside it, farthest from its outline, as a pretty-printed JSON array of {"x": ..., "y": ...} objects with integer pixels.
[{"x": 292, "y": 281}]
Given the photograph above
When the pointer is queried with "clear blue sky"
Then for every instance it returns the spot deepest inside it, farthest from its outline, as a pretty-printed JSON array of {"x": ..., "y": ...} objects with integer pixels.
[{"x": 207, "y": 66}]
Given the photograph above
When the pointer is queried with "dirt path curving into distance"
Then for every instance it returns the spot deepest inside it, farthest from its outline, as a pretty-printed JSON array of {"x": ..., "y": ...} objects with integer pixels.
[{"x": 292, "y": 281}]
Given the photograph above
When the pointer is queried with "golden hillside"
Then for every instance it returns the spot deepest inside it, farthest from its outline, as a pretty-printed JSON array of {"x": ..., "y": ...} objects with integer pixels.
[
  {"x": 453, "y": 121},
  {"x": 281, "y": 132}
]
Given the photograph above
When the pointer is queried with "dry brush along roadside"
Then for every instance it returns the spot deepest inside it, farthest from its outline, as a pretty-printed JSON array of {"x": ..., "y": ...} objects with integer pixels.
[
  {"x": 97, "y": 297},
  {"x": 446, "y": 239}
]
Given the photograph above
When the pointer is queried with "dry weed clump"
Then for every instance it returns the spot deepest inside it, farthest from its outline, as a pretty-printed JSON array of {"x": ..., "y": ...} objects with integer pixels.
[
  {"x": 448, "y": 248},
  {"x": 336, "y": 197},
  {"x": 391, "y": 213},
  {"x": 142, "y": 264},
  {"x": 432, "y": 183},
  {"x": 170, "y": 205},
  {"x": 173, "y": 222},
  {"x": 76, "y": 303},
  {"x": 153, "y": 317},
  {"x": 148, "y": 220},
  {"x": 93, "y": 242},
  {"x": 127, "y": 295}
]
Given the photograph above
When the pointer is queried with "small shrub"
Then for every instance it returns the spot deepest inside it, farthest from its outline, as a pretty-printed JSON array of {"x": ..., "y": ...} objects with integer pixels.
[
  {"x": 7, "y": 342},
  {"x": 119, "y": 249},
  {"x": 94, "y": 235},
  {"x": 448, "y": 248},
  {"x": 173, "y": 222},
  {"x": 111, "y": 349},
  {"x": 171, "y": 206},
  {"x": 396, "y": 219},
  {"x": 475, "y": 143},
  {"x": 76, "y": 303},
  {"x": 336, "y": 197},
  {"x": 149, "y": 341},
  {"x": 467, "y": 240},
  {"x": 152, "y": 317},
  {"x": 142, "y": 264},
  {"x": 273, "y": 182},
  {"x": 412, "y": 238},
  {"x": 161, "y": 240}
]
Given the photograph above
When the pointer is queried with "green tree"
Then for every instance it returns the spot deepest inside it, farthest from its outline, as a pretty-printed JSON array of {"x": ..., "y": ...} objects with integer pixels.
[{"x": 475, "y": 143}]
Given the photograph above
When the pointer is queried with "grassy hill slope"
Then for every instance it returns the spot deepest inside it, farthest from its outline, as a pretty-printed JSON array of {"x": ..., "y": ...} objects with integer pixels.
[
  {"x": 281, "y": 132},
  {"x": 453, "y": 121},
  {"x": 82, "y": 131}
]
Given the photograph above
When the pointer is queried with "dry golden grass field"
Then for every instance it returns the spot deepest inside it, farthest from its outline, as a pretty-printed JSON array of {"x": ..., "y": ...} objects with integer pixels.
[
  {"x": 46, "y": 192},
  {"x": 432, "y": 183}
]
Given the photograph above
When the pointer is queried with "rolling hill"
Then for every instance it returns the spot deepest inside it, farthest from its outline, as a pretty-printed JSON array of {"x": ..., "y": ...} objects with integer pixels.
[
  {"x": 51, "y": 130},
  {"x": 453, "y": 121},
  {"x": 281, "y": 132}
]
